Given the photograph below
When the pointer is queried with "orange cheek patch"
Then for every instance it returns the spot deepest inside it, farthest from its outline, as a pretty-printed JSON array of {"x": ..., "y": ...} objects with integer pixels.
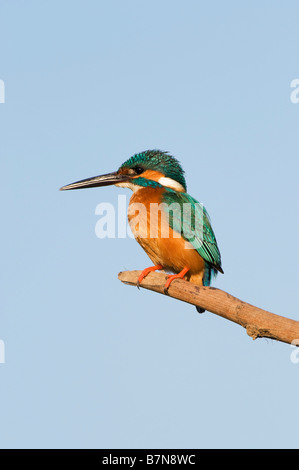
[{"x": 151, "y": 175}]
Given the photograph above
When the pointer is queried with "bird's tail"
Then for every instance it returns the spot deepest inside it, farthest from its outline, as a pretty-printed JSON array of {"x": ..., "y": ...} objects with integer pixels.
[
  {"x": 209, "y": 273},
  {"x": 199, "y": 309}
]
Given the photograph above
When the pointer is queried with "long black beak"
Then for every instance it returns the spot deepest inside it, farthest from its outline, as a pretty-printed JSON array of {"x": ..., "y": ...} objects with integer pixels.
[{"x": 102, "y": 180}]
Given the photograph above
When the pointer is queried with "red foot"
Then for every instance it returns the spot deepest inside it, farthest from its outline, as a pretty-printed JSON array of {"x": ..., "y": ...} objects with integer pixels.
[
  {"x": 146, "y": 271},
  {"x": 174, "y": 276}
]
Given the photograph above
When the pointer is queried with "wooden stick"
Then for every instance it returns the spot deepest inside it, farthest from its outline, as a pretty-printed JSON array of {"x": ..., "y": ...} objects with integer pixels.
[{"x": 258, "y": 323}]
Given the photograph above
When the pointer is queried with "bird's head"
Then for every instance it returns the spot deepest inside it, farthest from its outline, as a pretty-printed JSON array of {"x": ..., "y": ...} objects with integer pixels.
[{"x": 149, "y": 168}]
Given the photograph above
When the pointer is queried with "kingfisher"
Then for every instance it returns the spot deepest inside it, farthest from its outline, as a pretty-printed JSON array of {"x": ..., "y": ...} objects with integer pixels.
[{"x": 177, "y": 234}]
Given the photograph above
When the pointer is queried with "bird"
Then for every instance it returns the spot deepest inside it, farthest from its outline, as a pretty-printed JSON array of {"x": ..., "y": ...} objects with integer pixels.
[{"x": 177, "y": 234}]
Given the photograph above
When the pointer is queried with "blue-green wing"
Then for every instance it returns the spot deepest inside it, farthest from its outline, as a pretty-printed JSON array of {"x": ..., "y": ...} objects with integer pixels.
[{"x": 188, "y": 217}]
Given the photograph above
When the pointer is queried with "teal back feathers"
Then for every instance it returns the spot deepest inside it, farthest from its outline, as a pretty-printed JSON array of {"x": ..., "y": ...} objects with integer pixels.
[{"x": 193, "y": 223}]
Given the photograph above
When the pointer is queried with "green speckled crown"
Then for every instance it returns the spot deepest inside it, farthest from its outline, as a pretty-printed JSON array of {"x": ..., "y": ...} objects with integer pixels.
[{"x": 159, "y": 161}]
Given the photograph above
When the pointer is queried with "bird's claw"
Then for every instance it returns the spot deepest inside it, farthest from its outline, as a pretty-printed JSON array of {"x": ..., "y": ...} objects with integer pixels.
[
  {"x": 145, "y": 272},
  {"x": 165, "y": 290},
  {"x": 172, "y": 277}
]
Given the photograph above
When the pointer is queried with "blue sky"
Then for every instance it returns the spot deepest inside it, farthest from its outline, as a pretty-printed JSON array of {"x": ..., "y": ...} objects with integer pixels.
[{"x": 90, "y": 362}]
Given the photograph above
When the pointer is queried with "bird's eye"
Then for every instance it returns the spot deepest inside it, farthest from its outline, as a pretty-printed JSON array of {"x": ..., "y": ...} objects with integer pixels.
[{"x": 138, "y": 170}]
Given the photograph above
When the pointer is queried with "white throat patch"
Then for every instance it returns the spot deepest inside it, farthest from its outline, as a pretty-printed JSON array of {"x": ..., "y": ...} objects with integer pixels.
[{"x": 128, "y": 184}]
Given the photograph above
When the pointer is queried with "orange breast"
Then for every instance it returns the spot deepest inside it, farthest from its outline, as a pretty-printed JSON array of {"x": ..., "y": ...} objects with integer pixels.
[{"x": 149, "y": 224}]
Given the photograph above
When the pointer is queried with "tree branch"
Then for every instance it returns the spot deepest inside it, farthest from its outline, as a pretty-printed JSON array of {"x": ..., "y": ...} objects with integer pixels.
[{"x": 257, "y": 322}]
